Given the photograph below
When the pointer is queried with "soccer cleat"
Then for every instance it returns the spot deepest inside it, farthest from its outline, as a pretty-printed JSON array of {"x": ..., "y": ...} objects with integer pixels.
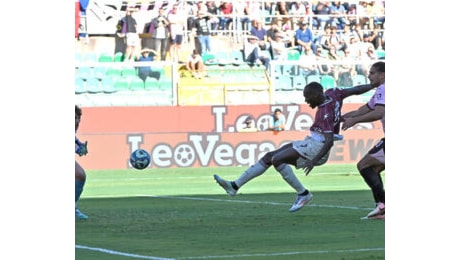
[
  {"x": 300, "y": 202},
  {"x": 226, "y": 185},
  {"x": 377, "y": 213},
  {"x": 80, "y": 215}
]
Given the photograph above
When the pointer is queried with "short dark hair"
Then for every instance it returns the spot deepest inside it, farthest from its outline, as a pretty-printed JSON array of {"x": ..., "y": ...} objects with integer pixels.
[
  {"x": 379, "y": 66},
  {"x": 277, "y": 110}
]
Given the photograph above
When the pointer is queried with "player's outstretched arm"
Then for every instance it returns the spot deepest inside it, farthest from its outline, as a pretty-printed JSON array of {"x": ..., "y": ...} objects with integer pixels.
[{"x": 358, "y": 90}]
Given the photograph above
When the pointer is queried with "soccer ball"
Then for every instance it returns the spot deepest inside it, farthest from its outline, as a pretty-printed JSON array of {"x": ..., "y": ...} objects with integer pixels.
[{"x": 140, "y": 159}]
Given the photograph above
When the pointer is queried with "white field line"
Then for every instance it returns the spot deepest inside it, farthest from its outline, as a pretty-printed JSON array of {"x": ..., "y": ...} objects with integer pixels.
[
  {"x": 108, "y": 251},
  {"x": 112, "y": 252}
]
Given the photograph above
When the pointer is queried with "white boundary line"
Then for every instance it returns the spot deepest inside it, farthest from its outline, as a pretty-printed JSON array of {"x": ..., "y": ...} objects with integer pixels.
[
  {"x": 112, "y": 252},
  {"x": 108, "y": 251}
]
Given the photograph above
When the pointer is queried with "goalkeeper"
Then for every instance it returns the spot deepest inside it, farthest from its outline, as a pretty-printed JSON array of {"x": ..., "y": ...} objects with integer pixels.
[{"x": 80, "y": 175}]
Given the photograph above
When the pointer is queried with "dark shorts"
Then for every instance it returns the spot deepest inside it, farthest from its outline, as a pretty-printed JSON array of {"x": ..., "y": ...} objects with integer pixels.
[{"x": 177, "y": 39}]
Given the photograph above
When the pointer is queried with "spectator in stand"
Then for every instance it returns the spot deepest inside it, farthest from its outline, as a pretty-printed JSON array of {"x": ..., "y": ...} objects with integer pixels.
[
  {"x": 176, "y": 20},
  {"x": 195, "y": 64},
  {"x": 282, "y": 10},
  {"x": 129, "y": 30},
  {"x": 298, "y": 11},
  {"x": 242, "y": 21},
  {"x": 160, "y": 33},
  {"x": 324, "y": 38},
  {"x": 334, "y": 57},
  {"x": 308, "y": 63},
  {"x": 324, "y": 67},
  {"x": 147, "y": 55},
  {"x": 277, "y": 121},
  {"x": 278, "y": 47},
  {"x": 304, "y": 37},
  {"x": 375, "y": 37},
  {"x": 335, "y": 39},
  {"x": 354, "y": 47},
  {"x": 378, "y": 13},
  {"x": 214, "y": 21},
  {"x": 248, "y": 126},
  {"x": 364, "y": 12},
  {"x": 367, "y": 58},
  {"x": 225, "y": 16},
  {"x": 346, "y": 34},
  {"x": 201, "y": 26},
  {"x": 346, "y": 70},
  {"x": 339, "y": 12},
  {"x": 259, "y": 31},
  {"x": 323, "y": 10},
  {"x": 365, "y": 45},
  {"x": 253, "y": 54},
  {"x": 271, "y": 32}
]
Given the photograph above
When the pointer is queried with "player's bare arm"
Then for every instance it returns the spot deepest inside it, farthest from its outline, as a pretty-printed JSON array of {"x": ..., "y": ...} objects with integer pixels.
[{"x": 373, "y": 115}]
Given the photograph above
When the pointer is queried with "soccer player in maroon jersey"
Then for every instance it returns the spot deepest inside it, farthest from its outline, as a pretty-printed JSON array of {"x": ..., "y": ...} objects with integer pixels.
[
  {"x": 373, "y": 163},
  {"x": 303, "y": 154}
]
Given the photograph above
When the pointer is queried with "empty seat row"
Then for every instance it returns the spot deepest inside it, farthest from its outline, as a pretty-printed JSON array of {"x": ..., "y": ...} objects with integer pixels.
[{"x": 114, "y": 84}]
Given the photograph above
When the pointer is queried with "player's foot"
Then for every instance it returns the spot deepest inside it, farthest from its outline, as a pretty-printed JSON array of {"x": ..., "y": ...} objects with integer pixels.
[
  {"x": 377, "y": 213},
  {"x": 80, "y": 215},
  {"x": 301, "y": 201},
  {"x": 226, "y": 185}
]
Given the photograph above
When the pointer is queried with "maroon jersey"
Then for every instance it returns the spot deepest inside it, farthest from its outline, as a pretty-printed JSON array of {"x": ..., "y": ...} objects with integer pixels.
[{"x": 327, "y": 118}]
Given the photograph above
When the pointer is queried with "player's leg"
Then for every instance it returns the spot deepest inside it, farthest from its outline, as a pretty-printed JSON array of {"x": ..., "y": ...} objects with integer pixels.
[
  {"x": 281, "y": 161},
  {"x": 80, "y": 179},
  {"x": 370, "y": 167},
  {"x": 257, "y": 169}
]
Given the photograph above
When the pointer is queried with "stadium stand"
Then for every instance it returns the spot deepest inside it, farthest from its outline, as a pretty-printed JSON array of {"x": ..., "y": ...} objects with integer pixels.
[{"x": 229, "y": 79}]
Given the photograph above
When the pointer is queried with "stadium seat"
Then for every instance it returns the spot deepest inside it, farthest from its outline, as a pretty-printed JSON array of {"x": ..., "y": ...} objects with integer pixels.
[
  {"x": 209, "y": 59},
  {"x": 129, "y": 72},
  {"x": 121, "y": 84},
  {"x": 91, "y": 57},
  {"x": 293, "y": 55},
  {"x": 99, "y": 72},
  {"x": 314, "y": 78},
  {"x": 151, "y": 84},
  {"x": 380, "y": 53},
  {"x": 136, "y": 84},
  {"x": 299, "y": 82},
  {"x": 328, "y": 81},
  {"x": 118, "y": 57},
  {"x": 84, "y": 72},
  {"x": 166, "y": 83},
  {"x": 283, "y": 82},
  {"x": 78, "y": 57},
  {"x": 79, "y": 86},
  {"x": 113, "y": 72},
  {"x": 105, "y": 57},
  {"x": 237, "y": 57},
  {"x": 107, "y": 85},
  {"x": 359, "y": 79},
  {"x": 93, "y": 85}
]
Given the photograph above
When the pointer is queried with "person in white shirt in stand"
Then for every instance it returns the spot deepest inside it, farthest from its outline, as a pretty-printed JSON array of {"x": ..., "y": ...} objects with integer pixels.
[{"x": 195, "y": 64}]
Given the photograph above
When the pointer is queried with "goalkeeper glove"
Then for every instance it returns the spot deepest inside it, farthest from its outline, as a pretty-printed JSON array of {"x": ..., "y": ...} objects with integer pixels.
[{"x": 83, "y": 149}]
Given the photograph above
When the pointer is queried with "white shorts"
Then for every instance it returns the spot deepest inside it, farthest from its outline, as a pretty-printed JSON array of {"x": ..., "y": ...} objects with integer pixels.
[
  {"x": 378, "y": 151},
  {"x": 132, "y": 39},
  {"x": 308, "y": 149}
]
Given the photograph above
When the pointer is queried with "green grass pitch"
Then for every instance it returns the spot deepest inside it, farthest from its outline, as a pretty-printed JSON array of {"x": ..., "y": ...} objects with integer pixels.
[{"x": 184, "y": 214}]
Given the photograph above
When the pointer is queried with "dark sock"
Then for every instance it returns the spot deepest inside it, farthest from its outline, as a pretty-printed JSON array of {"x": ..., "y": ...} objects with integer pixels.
[
  {"x": 234, "y": 185},
  {"x": 304, "y": 193},
  {"x": 374, "y": 181}
]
